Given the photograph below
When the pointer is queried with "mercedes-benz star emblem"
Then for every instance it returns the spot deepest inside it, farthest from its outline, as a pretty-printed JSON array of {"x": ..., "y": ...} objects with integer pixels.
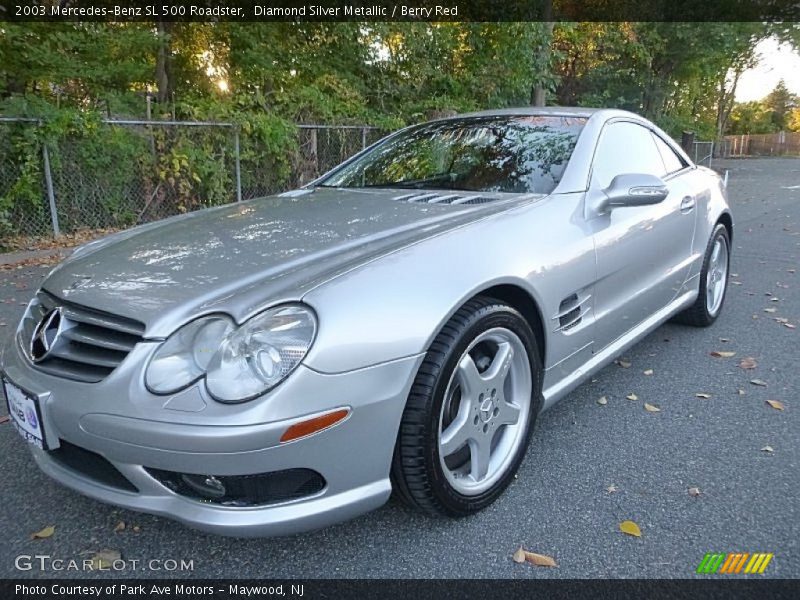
[{"x": 46, "y": 335}]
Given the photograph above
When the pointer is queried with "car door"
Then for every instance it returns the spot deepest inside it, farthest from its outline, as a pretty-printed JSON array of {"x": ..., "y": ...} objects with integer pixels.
[{"x": 643, "y": 252}]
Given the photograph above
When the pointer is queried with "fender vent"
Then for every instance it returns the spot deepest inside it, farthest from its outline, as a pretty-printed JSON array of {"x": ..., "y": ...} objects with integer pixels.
[{"x": 570, "y": 311}]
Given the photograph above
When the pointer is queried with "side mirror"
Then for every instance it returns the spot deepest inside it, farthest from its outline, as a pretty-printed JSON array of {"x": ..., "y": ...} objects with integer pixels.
[{"x": 634, "y": 189}]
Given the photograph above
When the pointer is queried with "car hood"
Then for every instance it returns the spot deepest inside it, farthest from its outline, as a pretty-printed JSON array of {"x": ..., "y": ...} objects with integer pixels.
[{"x": 240, "y": 257}]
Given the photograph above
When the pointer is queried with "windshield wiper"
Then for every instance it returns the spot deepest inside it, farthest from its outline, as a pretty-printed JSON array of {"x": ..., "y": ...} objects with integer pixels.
[{"x": 416, "y": 183}]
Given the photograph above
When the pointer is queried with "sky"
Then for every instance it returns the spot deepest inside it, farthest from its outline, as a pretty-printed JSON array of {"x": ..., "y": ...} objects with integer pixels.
[{"x": 777, "y": 62}]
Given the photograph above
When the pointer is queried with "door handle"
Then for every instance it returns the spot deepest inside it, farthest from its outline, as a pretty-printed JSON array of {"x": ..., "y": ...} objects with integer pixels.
[{"x": 687, "y": 204}]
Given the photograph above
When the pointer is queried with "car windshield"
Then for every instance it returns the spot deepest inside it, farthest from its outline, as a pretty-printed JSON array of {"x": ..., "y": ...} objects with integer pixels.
[{"x": 520, "y": 154}]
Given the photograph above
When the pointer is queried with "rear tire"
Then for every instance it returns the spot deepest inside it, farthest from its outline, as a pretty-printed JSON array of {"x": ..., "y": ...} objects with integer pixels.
[
  {"x": 470, "y": 413},
  {"x": 713, "y": 281}
]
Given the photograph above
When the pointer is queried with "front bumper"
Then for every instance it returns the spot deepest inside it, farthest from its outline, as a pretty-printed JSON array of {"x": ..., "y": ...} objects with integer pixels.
[{"x": 189, "y": 432}]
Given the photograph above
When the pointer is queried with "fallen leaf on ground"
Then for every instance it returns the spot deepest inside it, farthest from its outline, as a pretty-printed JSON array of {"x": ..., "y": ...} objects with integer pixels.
[
  {"x": 694, "y": 492},
  {"x": 789, "y": 325},
  {"x": 104, "y": 559},
  {"x": 602, "y": 400},
  {"x": 119, "y": 526},
  {"x": 770, "y": 310},
  {"x": 44, "y": 533},
  {"x": 722, "y": 354},
  {"x": 703, "y": 395},
  {"x": 136, "y": 529},
  {"x": 4, "y": 419},
  {"x": 769, "y": 449},
  {"x": 741, "y": 392},
  {"x": 611, "y": 489},
  {"x": 776, "y": 404},
  {"x": 651, "y": 408},
  {"x": 632, "y": 396},
  {"x": 758, "y": 382},
  {"x": 540, "y": 560},
  {"x": 630, "y": 528},
  {"x": 748, "y": 363},
  {"x": 648, "y": 372},
  {"x": 625, "y": 364}
]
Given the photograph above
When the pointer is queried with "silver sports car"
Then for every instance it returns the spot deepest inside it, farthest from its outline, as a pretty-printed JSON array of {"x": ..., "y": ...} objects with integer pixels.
[{"x": 398, "y": 324}]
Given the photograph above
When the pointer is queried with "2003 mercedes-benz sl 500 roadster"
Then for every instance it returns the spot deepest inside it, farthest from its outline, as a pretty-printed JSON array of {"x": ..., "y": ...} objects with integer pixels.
[{"x": 285, "y": 363}]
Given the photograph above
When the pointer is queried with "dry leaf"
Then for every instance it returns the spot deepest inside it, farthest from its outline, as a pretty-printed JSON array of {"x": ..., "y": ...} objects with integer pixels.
[
  {"x": 602, "y": 400},
  {"x": 104, "y": 559},
  {"x": 741, "y": 392},
  {"x": 789, "y": 325},
  {"x": 624, "y": 364},
  {"x": 136, "y": 529},
  {"x": 776, "y": 404},
  {"x": 651, "y": 408},
  {"x": 630, "y": 528},
  {"x": 540, "y": 560},
  {"x": 722, "y": 354},
  {"x": 758, "y": 382},
  {"x": 4, "y": 419},
  {"x": 694, "y": 492},
  {"x": 703, "y": 395},
  {"x": 120, "y": 526},
  {"x": 632, "y": 396},
  {"x": 748, "y": 362},
  {"x": 770, "y": 310},
  {"x": 611, "y": 489},
  {"x": 769, "y": 449},
  {"x": 44, "y": 533},
  {"x": 648, "y": 372},
  {"x": 519, "y": 556}
]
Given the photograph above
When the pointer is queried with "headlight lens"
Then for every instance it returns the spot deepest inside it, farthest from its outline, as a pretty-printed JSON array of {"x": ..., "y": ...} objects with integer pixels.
[
  {"x": 184, "y": 357},
  {"x": 261, "y": 353},
  {"x": 238, "y": 363}
]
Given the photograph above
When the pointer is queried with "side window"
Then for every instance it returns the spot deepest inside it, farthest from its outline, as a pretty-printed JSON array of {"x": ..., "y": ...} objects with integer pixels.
[
  {"x": 672, "y": 161},
  {"x": 625, "y": 148}
]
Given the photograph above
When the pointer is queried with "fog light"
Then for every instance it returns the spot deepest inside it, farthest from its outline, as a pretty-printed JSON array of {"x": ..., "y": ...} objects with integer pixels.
[
  {"x": 313, "y": 425},
  {"x": 205, "y": 485}
]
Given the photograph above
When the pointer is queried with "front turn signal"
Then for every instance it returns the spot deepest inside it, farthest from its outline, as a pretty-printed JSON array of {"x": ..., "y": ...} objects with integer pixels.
[{"x": 313, "y": 425}]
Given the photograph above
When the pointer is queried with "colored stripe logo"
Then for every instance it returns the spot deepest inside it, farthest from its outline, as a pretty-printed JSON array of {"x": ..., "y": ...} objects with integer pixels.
[{"x": 734, "y": 562}]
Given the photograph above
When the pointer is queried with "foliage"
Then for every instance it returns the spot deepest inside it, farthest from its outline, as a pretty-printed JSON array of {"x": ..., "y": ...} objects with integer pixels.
[{"x": 266, "y": 76}]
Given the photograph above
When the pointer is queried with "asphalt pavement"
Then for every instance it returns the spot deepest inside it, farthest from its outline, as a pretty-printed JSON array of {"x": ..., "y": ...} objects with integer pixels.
[{"x": 589, "y": 467}]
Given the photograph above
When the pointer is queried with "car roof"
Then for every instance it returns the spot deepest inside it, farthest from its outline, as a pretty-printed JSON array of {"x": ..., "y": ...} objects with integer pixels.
[{"x": 550, "y": 111}]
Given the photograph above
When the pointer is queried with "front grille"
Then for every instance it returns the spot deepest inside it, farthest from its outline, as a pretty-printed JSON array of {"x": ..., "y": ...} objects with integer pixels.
[
  {"x": 94, "y": 343},
  {"x": 242, "y": 490},
  {"x": 90, "y": 464}
]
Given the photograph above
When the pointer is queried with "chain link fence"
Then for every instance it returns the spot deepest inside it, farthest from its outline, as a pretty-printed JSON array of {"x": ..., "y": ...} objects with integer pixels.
[{"x": 133, "y": 172}]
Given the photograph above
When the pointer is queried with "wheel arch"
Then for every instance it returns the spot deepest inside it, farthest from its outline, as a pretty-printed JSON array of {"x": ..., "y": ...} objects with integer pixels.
[
  {"x": 726, "y": 219},
  {"x": 521, "y": 300}
]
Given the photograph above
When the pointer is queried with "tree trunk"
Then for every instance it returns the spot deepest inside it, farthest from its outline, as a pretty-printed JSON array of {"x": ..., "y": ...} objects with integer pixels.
[
  {"x": 539, "y": 92},
  {"x": 164, "y": 82}
]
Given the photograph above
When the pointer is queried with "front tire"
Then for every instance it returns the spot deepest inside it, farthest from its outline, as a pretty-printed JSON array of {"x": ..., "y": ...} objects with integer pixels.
[
  {"x": 713, "y": 281},
  {"x": 470, "y": 413}
]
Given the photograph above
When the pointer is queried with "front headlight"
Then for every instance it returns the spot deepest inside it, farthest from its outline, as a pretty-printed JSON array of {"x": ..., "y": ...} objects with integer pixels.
[
  {"x": 243, "y": 362},
  {"x": 184, "y": 357},
  {"x": 261, "y": 353}
]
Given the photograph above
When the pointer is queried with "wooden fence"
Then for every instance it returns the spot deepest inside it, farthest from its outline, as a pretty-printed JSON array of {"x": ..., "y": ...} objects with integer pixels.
[{"x": 783, "y": 143}]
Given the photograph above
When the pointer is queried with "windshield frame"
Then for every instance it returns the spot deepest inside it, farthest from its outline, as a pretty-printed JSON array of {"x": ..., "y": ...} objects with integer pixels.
[{"x": 322, "y": 180}]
